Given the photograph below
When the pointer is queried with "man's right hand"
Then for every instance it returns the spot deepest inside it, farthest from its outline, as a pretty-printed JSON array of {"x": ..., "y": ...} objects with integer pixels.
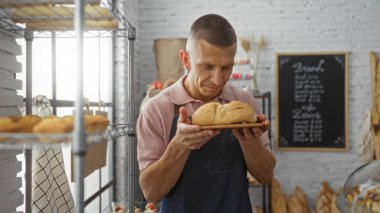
[{"x": 190, "y": 136}]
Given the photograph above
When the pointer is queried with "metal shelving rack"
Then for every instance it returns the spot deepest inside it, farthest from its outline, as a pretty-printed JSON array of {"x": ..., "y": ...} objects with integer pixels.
[
  {"x": 266, "y": 109},
  {"x": 49, "y": 22}
]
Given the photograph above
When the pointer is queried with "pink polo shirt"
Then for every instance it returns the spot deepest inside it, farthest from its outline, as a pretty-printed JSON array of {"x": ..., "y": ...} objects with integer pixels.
[{"x": 156, "y": 117}]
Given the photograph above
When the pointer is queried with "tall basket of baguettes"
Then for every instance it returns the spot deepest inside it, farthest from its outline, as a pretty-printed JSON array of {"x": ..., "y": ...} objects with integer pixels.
[{"x": 375, "y": 110}]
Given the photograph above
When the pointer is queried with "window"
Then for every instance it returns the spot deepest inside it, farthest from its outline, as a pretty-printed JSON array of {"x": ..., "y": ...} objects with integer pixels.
[{"x": 97, "y": 87}]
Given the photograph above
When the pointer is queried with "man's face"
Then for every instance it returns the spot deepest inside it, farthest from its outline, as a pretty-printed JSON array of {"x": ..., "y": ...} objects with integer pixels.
[{"x": 210, "y": 69}]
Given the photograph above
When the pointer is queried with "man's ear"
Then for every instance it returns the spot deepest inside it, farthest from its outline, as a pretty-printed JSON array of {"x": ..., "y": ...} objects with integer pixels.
[{"x": 185, "y": 59}]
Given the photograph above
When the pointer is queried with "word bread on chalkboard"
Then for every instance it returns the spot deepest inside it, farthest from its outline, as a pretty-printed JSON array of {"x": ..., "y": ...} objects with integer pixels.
[{"x": 311, "y": 101}]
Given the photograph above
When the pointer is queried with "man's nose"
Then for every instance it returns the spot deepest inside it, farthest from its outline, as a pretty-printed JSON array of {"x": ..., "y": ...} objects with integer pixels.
[{"x": 217, "y": 78}]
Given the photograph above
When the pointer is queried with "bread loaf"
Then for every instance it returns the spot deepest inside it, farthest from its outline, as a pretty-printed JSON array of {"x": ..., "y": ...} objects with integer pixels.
[
  {"x": 334, "y": 208},
  {"x": 18, "y": 123},
  {"x": 297, "y": 202},
  {"x": 325, "y": 198},
  {"x": 278, "y": 199},
  {"x": 7, "y": 124},
  {"x": 96, "y": 123},
  {"x": 53, "y": 124},
  {"x": 215, "y": 113}
]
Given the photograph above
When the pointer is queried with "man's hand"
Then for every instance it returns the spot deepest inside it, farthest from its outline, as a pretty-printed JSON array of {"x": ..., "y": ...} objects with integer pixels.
[
  {"x": 191, "y": 136},
  {"x": 249, "y": 134},
  {"x": 258, "y": 158}
]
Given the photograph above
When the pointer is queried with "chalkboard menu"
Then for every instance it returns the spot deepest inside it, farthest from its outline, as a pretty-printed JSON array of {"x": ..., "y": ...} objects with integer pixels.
[{"x": 311, "y": 105}]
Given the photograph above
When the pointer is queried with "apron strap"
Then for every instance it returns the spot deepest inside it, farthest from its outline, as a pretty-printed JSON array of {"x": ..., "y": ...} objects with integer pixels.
[{"x": 176, "y": 109}]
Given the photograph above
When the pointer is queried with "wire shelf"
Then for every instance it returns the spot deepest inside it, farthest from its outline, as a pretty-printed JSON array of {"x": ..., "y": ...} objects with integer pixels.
[
  {"x": 30, "y": 140},
  {"x": 102, "y": 19}
]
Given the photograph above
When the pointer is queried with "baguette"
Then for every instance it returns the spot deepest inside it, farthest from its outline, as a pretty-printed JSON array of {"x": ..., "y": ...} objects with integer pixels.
[{"x": 375, "y": 117}]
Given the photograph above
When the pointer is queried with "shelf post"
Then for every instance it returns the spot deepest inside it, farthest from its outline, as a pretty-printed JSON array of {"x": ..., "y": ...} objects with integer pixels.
[
  {"x": 29, "y": 70},
  {"x": 28, "y": 107},
  {"x": 54, "y": 70},
  {"x": 131, "y": 120},
  {"x": 79, "y": 142}
]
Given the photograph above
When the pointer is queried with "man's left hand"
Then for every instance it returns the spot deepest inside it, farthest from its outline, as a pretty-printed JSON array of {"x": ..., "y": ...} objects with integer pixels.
[{"x": 248, "y": 134}]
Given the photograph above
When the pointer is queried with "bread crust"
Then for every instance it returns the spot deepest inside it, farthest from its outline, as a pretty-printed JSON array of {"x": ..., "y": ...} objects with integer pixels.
[
  {"x": 214, "y": 113},
  {"x": 93, "y": 123},
  {"x": 18, "y": 123},
  {"x": 96, "y": 123},
  {"x": 53, "y": 125}
]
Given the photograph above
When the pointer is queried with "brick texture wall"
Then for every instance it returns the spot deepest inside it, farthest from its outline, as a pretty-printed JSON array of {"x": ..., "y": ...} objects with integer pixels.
[{"x": 288, "y": 26}]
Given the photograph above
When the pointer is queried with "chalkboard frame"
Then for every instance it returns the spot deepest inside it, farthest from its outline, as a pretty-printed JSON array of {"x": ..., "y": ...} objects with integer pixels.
[{"x": 277, "y": 70}]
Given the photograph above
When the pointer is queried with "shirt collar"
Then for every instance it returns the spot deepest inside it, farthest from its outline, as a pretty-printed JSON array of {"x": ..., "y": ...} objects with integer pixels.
[{"x": 180, "y": 96}]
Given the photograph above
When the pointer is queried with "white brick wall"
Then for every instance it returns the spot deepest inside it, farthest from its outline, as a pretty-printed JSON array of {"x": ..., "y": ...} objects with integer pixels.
[{"x": 288, "y": 26}]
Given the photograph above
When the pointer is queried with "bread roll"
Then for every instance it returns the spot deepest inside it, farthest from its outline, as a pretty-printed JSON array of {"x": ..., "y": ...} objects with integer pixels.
[
  {"x": 53, "y": 125},
  {"x": 18, "y": 123},
  {"x": 7, "y": 124},
  {"x": 28, "y": 122},
  {"x": 96, "y": 123},
  {"x": 215, "y": 113}
]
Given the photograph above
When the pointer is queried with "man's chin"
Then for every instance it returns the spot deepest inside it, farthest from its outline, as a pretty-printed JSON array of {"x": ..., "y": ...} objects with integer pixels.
[{"x": 211, "y": 93}]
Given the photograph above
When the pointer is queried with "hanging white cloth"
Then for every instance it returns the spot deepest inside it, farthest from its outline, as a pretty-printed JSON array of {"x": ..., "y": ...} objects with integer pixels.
[{"x": 50, "y": 188}]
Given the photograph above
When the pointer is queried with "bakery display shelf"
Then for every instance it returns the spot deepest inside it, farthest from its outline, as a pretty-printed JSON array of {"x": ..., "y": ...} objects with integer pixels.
[
  {"x": 70, "y": 19},
  {"x": 102, "y": 19},
  {"x": 118, "y": 33},
  {"x": 30, "y": 140}
]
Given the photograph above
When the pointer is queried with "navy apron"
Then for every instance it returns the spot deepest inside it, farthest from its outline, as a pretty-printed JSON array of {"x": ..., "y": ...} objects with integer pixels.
[{"x": 214, "y": 179}]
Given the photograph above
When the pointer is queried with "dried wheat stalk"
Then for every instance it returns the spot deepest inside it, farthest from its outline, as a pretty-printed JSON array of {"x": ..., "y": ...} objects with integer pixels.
[{"x": 245, "y": 44}]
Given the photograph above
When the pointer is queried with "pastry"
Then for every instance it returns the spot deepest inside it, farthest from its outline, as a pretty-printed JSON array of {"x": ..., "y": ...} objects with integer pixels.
[
  {"x": 334, "y": 208},
  {"x": 27, "y": 123},
  {"x": 215, "y": 113},
  {"x": 18, "y": 123},
  {"x": 278, "y": 199},
  {"x": 297, "y": 202},
  {"x": 7, "y": 124},
  {"x": 53, "y": 125},
  {"x": 324, "y": 198},
  {"x": 96, "y": 123},
  {"x": 365, "y": 196}
]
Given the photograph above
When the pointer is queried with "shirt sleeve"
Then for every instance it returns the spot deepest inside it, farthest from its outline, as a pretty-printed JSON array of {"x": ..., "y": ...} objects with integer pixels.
[{"x": 151, "y": 144}]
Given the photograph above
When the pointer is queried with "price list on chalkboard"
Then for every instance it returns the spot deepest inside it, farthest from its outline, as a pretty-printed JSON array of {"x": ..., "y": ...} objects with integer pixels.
[{"x": 311, "y": 101}]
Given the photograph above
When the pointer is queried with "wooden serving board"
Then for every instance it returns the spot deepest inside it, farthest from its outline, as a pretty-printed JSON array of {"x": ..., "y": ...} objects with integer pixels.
[{"x": 233, "y": 126}]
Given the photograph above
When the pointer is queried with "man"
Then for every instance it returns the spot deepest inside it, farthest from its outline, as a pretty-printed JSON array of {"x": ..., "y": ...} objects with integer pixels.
[{"x": 195, "y": 170}]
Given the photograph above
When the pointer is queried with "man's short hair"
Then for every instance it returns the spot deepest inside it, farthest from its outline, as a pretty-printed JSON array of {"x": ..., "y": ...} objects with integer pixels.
[{"x": 214, "y": 29}]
